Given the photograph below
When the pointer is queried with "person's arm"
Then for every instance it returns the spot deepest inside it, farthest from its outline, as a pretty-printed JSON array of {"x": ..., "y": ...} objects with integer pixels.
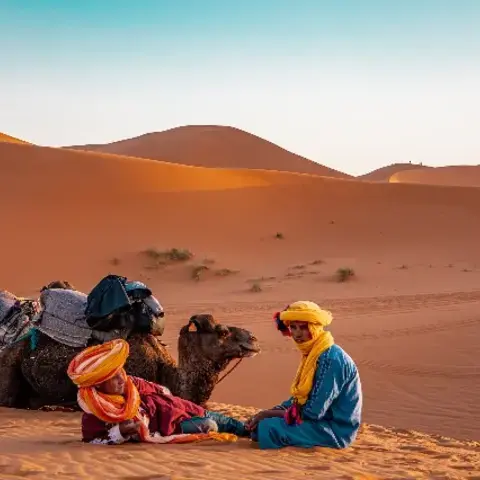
[
  {"x": 160, "y": 389},
  {"x": 98, "y": 432},
  {"x": 330, "y": 378},
  {"x": 284, "y": 405}
]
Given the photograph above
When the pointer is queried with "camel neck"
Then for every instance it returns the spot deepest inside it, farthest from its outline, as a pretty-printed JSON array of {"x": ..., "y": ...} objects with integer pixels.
[{"x": 198, "y": 378}]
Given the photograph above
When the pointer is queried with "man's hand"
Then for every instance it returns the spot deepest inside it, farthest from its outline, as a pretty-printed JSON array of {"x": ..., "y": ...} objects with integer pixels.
[
  {"x": 129, "y": 428},
  {"x": 252, "y": 423}
]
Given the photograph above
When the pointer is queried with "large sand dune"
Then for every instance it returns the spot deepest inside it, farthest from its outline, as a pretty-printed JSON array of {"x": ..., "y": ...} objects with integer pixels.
[
  {"x": 464, "y": 175},
  {"x": 213, "y": 146},
  {"x": 409, "y": 316}
]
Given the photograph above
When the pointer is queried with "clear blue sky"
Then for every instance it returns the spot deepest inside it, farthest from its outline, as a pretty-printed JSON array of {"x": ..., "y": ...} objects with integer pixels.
[{"x": 352, "y": 84}]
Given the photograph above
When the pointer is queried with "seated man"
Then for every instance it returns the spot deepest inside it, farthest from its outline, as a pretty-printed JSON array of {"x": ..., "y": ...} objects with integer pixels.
[
  {"x": 325, "y": 406},
  {"x": 118, "y": 408}
]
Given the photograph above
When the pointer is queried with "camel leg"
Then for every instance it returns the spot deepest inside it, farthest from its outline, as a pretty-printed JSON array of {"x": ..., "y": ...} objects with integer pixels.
[{"x": 14, "y": 389}]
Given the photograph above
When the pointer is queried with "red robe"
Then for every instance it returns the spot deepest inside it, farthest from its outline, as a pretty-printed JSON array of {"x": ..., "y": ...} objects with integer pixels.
[{"x": 166, "y": 413}]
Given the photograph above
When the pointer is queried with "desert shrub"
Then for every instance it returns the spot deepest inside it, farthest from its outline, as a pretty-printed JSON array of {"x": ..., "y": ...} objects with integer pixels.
[{"x": 344, "y": 274}]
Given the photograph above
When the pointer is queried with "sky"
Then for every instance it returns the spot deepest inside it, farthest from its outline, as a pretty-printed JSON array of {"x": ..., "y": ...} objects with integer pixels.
[{"x": 352, "y": 84}]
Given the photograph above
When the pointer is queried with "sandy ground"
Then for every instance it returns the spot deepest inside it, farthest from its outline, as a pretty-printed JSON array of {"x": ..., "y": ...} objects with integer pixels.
[
  {"x": 463, "y": 176},
  {"x": 27, "y": 451},
  {"x": 383, "y": 174},
  {"x": 409, "y": 315}
]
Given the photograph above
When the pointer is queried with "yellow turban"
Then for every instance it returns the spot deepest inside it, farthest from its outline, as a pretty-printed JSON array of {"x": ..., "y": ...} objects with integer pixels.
[
  {"x": 305, "y": 311},
  {"x": 311, "y": 313}
]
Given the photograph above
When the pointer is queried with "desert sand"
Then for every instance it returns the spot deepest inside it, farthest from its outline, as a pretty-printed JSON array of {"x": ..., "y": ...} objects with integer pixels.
[
  {"x": 463, "y": 175},
  {"x": 8, "y": 138},
  {"x": 260, "y": 239},
  {"x": 383, "y": 174}
]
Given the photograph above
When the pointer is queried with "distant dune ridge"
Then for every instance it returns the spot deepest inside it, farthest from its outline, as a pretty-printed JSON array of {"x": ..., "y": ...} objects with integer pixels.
[
  {"x": 383, "y": 174},
  {"x": 213, "y": 146},
  {"x": 7, "y": 138}
]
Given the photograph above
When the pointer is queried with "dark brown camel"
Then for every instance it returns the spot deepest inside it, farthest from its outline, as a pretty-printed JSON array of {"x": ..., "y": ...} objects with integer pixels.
[{"x": 34, "y": 378}]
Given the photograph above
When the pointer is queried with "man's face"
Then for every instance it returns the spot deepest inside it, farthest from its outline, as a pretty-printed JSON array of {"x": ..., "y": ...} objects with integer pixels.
[
  {"x": 300, "y": 332},
  {"x": 113, "y": 386}
]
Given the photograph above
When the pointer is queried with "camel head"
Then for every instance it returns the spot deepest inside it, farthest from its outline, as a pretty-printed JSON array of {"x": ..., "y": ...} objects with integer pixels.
[{"x": 203, "y": 337}]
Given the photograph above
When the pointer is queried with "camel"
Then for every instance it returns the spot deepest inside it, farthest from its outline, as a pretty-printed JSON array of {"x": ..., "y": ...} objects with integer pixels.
[{"x": 36, "y": 378}]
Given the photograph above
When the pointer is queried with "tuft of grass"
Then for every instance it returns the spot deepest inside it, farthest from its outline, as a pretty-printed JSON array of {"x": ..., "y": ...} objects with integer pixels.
[
  {"x": 403, "y": 267},
  {"x": 317, "y": 262},
  {"x": 256, "y": 287},
  {"x": 261, "y": 279},
  {"x": 115, "y": 261},
  {"x": 345, "y": 273},
  {"x": 198, "y": 271},
  {"x": 298, "y": 267},
  {"x": 161, "y": 257},
  {"x": 178, "y": 254},
  {"x": 279, "y": 236},
  {"x": 225, "y": 272}
]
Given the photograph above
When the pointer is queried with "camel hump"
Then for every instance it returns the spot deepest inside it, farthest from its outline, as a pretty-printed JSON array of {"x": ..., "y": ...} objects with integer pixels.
[{"x": 62, "y": 317}]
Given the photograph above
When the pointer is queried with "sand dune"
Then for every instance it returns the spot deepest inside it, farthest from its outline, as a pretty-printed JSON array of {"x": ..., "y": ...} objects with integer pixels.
[
  {"x": 213, "y": 146},
  {"x": 464, "y": 175},
  {"x": 79, "y": 215},
  {"x": 383, "y": 174},
  {"x": 7, "y": 138}
]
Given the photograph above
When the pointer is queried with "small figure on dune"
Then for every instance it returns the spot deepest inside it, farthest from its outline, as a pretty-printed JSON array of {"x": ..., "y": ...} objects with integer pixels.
[
  {"x": 119, "y": 408},
  {"x": 326, "y": 395}
]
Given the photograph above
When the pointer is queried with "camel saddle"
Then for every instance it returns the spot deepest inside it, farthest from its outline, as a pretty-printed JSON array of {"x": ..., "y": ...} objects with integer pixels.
[
  {"x": 16, "y": 316},
  {"x": 62, "y": 317}
]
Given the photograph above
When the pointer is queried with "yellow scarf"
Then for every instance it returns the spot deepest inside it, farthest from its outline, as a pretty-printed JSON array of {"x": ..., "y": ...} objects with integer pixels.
[{"x": 311, "y": 350}]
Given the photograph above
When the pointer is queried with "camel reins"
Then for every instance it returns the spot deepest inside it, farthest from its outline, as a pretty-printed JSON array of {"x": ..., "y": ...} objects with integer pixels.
[{"x": 230, "y": 371}]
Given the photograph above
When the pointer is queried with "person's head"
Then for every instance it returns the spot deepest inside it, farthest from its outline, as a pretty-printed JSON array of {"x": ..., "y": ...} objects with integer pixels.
[
  {"x": 101, "y": 366},
  {"x": 303, "y": 321},
  {"x": 114, "y": 385}
]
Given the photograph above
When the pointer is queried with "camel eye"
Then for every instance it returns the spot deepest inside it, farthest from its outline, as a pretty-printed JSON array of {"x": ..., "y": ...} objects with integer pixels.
[{"x": 223, "y": 332}]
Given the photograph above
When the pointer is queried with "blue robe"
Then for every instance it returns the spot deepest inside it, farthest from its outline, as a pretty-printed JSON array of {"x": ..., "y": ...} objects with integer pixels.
[{"x": 332, "y": 414}]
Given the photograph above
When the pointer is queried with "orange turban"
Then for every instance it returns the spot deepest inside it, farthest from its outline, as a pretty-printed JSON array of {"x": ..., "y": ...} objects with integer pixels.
[{"x": 99, "y": 363}]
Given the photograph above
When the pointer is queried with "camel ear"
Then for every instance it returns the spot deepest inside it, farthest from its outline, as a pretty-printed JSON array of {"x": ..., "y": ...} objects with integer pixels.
[{"x": 193, "y": 324}]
